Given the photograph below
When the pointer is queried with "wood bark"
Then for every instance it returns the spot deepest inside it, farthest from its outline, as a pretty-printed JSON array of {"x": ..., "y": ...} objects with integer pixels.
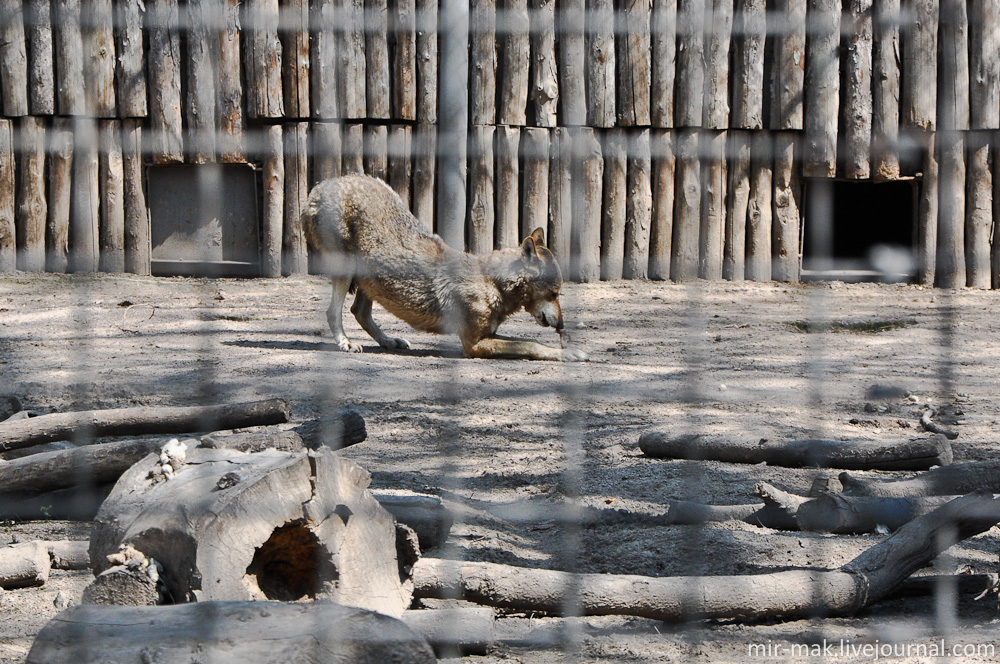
[
  {"x": 60, "y": 180},
  {"x": 786, "y": 216},
  {"x": 13, "y": 60},
  {"x": 927, "y": 210},
  {"x": 377, "y": 58},
  {"x": 112, "y": 177},
  {"x": 316, "y": 533},
  {"x": 687, "y": 208},
  {"x": 273, "y": 158},
  {"x": 615, "y": 195},
  {"x": 690, "y": 66},
  {"x": 351, "y": 64},
  {"x": 600, "y": 63},
  {"x": 32, "y": 203},
  {"x": 718, "y": 38},
  {"x": 632, "y": 49},
  {"x": 638, "y": 206},
  {"x": 561, "y": 196},
  {"x": 984, "y": 64},
  {"x": 482, "y": 218},
  {"x": 852, "y": 515},
  {"x": 376, "y": 151},
  {"x": 41, "y": 75},
  {"x": 227, "y": 632},
  {"x": 427, "y": 61},
  {"x": 400, "y": 164},
  {"x": 262, "y": 59},
  {"x": 587, "y": 194},
  {"x": 737, "y": 207},
  {"x": 544, "y": 85},
  {"x": 759, "y": 209},
  {"x": 403, "y": 45},
  {"x": 293, "y": 258},
  {"x": 995, "y": 252},
  {"x": 916, "y": 454},
  {"x": 325, "y": 148},
  {"x": 323, "y": 60},
  {"x": 508, "y": 140},
  {"x": 68, "y": 56},
  {"x": 84, "y": 219},
  {"x": 295, "y": 61},
  {"x": 137, "y": 238},
  {"x": 947, "y": 480},
  {"x": 950, "y": 255},
  {"x": 164, "y": 71},
  {"x": 571, "y": 62},
  {"x": 353, "y": 146},
  {"x": 24, "y": 565},
  {"x": 663, "y": 42},
  {"x": 856, "y": 124},
  {"x": 822, "y": 89},
  {"x": 482, "y": 61},
  {"x": 789, "y": 67},
  {"x": 335, "y": 431},
  {"x": 919, "y": 65},
  {"x": 978, "y": 212},
  {"x": 201, "y": 72},
  {"x": 99, "y": 58},
  {"x": 662, "y": 225},
  {"x": 513, "y": 69},
  {"x": 535, "y": 180},
  {"x": 229, "y": 87},
  {"x": 130, "y": 69},
  {"x": 83, "y": 425},
  {"x": 8, "y": 233},
  {"x": 713, "y": 206},
  {"x": 424, "y": 168},
  {"x": 885, "y": 91},
  {"x": 750, "y": 28}
]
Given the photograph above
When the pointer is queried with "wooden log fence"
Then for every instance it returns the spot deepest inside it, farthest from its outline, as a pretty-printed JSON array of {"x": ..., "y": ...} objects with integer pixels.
[{"x": 662, "y": 139}]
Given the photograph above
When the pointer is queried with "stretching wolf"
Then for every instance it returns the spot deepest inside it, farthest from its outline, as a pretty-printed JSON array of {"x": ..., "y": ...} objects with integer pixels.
[{"x": 365, "y": 238}]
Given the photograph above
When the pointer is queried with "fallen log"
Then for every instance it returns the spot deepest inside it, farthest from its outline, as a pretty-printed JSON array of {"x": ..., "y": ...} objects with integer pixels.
[
  {"x": 315, "y": 531},
  {"x": 796, "y": 593},
  {"x": 916, "y": 454},
  {"x": 852, "y": 515},
  {"x": 930, "y": 425},
  {"x": 227, "y": 632},
  {"x": 68, "y": 554},
  {"x": 79, "y": 503},
  {"x": 944, "y": 481},
  {"x": 426, "y": 515},
  {"x": 24, "y": 565},
  {"x": 140, "y": 420}
]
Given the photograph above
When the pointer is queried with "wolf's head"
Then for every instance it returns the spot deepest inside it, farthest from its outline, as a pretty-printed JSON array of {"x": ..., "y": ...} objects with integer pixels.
[{"x": 543, "y": 282}]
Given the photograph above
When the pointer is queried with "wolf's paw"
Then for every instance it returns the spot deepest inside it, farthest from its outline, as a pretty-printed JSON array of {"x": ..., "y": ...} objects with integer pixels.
[
  {"x": 395, "y": 342},
  {"x": 573, "y": 355},
  {"x": 349, "y": 346}
]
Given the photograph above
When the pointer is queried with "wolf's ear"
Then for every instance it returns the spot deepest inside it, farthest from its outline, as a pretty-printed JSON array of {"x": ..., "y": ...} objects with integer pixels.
[
  {"x": 538, "y": 235},
  {"x": 528, "y": 251}
]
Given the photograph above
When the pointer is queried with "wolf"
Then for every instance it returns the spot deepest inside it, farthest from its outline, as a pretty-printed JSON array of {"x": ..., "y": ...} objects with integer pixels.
[{"x": 362, "y": 234}]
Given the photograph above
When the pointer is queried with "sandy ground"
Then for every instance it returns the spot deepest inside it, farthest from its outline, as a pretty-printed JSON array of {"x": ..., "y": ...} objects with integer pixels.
[{"x": 499, "y": 437}]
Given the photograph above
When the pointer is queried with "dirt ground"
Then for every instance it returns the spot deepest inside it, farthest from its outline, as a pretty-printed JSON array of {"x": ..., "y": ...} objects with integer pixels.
[{"x": 505, "y": 442}]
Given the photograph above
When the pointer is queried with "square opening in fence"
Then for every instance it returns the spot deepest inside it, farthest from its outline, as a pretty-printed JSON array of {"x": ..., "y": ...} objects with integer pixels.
[{"x": 204, "y": 220}]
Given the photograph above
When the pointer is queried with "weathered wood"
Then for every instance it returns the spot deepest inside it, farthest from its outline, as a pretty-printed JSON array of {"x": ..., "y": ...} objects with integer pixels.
[
  {"x": 351, "y": 63},
  {"x": 13, "y": 60},
  {"x": 687, "y": 207},
  {"x": 718, "y": 37},
  {"x": 85, "y": 201},
  {"x": 32, "y": 204},
  {"x": 60, "y": 184},
  {"x": 759, "y": 208},
  {"x": 376, "y": 155},
  {"x": 99, "y": 58},
  {"x": 323, "y": 60},
  {"x": 885, "y": 91},
  {"x": 68, "y": 56},
  {"x": 512, "y": 73},
  {"x": 978, "y": 212},
  {"x": 785, "y": 227},
  {"x": 690, "y": 67},
  {"x": 544, "y": 88},
  {"x": 336, "y": 431},
  {"x": 111, "y": 170},
  {"x": 79, "y": 503},
  {"x": 995, "y": 252},
  {"x": 353, "y": 148},
  {"x": 453, "y": 109},
  {"x": 737, "y": 207},
  {"x": 400, "y": 161},
  {"x": 240, "y": 632},
  {"x": 662, "y": 225},
  {"x": 615, "y": 193},
  {"x": 130, "y": 69},
  {"x": 749, "y": 30},
  {"x": 915, "y": 454},
  {"x": 41, "y": 76},
  {"x": 822, "y": 89},
  {"x": 229, "y": 88},
  {"x": 137, "y": 238},
  {"x": 663, "y": 40},
  {"x": 950, "y": 255},
  {"x": 984, "y": 64},
  {"x": 600, "y": 63},
  {"x": 919, "y": 65},
  {"x": 638, "y": 206},
  {"x": 927, "y": 210},
  {"x": 856, "y": 124},
  {"x": 713, "y": 206},
  {"x": 482, "y": 218},
  {"x": 425, "y": 514},
  {"x": 293, "y": 258},
  {"x": 535, "y": 179},
  {"x": 571, "y": 62},
  {"x": 953, "y": 63},
  {"x": 8, "y": 177},
  {"x": 273, "y": 182},
  {"x": 122, "y": 585},
  {"x": 483, "y": 61},
  {"x": 201, "y": 72},
  {"x": 262, "y": 61},
  {"x": 850, "y": 515},
  {"x": 377, "y": 58},
  {"x": 944, "y": 481},
  {"x": 403, "y": 46},
  {"x": 424, "y": 167},
  {"x": 789, "y": 66},
  {"x": 68, "y": 554},
  {"x": 427, "y": 61},
  {"x": 24, "y": 565},
  {"x": 164, "y": 71},
  {"x": 325, "y": 149},
  {"x": 561, "y": 196},
  {"x": 317, "y": 532},
  {"x": 632, "y": 50},
  {"x": 295, "y": 62},
  {"x": 508, "y": 140},
  {"x": 587, "y": 194}
]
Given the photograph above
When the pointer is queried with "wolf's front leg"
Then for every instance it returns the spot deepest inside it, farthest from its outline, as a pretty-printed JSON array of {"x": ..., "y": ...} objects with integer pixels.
[
  {"x": 508, "y": 348},
  {"x": 362, "y": 310},
  {"x": 335, "y": 315}
]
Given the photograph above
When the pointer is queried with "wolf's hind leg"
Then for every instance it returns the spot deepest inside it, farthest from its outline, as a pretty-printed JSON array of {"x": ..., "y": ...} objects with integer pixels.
[
  {"x": 362, "y": 310},
  {"x": 335, "y": 315}
]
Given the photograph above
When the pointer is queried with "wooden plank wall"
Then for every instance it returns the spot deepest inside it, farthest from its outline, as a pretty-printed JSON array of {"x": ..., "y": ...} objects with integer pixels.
[{"x": 650, "y": 138}]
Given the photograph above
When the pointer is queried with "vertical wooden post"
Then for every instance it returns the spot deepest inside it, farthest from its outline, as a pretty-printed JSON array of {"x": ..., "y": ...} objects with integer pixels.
[
  {"x": 995, "y": 252},
  {"x": 927, "y": 211},
  {"x": 351, "y": 65},
  {"x": 513, "y": 72},
  {"x": 13, "y": 60},
  {"x": 535, "y": 197},
  {"x": 68, "y": 48},
  {"x": 323, "y": 60},
  {"x": 570, "y": 26},
  {"x": 60, "y": 190},
  {"x": 99, "y": 58},
  {"x": 8, "y": 234},
  {"x": 164, "y": 67},
  {"x": 84, "y": 219},
  {"x": 718, "y": 35},
  {"x": 137, "y": 241},
  {"x": 561, "y": 196},
  {"x": 713, "y": 206},
  {"x": 737, "y": 207},
  {"x": 400, "y": 164},
  {"x": 690, "y": 69},
  {"x": 508, "y": 140},
  {"x": 919, "y": 64},
  {"x": 273, "y": 181},
  {"x": 544, "y": 93},
  {"x": 632, "y": 48},
  {"x": 453, "y": 109},
  {"x": 295, "y": 63},
  {"x": 789, "y": 68},
  {"x": 822, "y": 89},
  {"x": 953, "y": 60},
  {"x": 586, "y": 181},
  {"x": 638, "y": 206},
  {"x": 615, "y": 193},
  {"x": 984, "y": 64},
  {"x": 376, "y": 152},
  {"x": 424, "y": 169},
  {"x": 663, "y": 42},
  {"x": 353, "y": 149},
  {"x": 687, "y": 207},
  {"x": 403, "y": 43},
  {"x": 112, "y": 173},
  {"x": 294, "y": 258},
  {"x": 786, "y": 217},
  {"x": 885, "y": 91},
  {"x": 262, "y": 59},
  {"x": 202, "y": 74},
  {"x": 32, "y": 205},
  {"x": 41, "y": 76},
  {"x": 750, "y": 28},
  {"x": 978, "y": 212},
  {"x": 130, "y": 72},
  {"x": 325, "y": 151},
  {"x": 758, "y": 251},
  {"x": 427, "y": 61},
  {"x": 662, "y": 225},
  {"x": 857, "y": 120},
  {"x": 483, "y": 61},
  {"x": 229, "y": 87},
  {"x": 481, "y": 212},
  {"x": 377, "y": 58},
  {"x": 600, "y": 64},
  {"x": 984, "y": 113}
]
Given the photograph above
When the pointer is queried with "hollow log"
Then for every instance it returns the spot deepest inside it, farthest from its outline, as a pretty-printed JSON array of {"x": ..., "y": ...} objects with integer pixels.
[
  {"x": 885, "y": 91},
  {"x": 750, "y": 30},
  {"x": 535, "y": 180},
  {"x": 137, "y": 231},
  {"x": 512, "y": 74},
  {"x": 915, "y": 454},
  {"x": 690, "y": 66},
  {"x": 687, "y": 207},
  {"x": 737, "y": 207},
  {"x": 229, "y": 87},
  {"x": 60, "y": 174},
  {"x": 919, "y": 65},
  {"x": 227, "y": 632},
  {"x": 944, "y": 481},
  {"x": 662, "y": 224},
  {"x": 571, "y": 61},
  {"x": 262, "y": 59},
  {"x": 273, "y": 182},
  {"x": 403, "y": 46},
  {"x": 586, "y": 185},
  {"x": 130, "y": 70},
  {"x": 8, "y": 218},
  {"x": 316, "y": 533},
  {"x": 663, "y": 42},
  {"x": 544, "y": 84},
  {"x": 31, "y": 200},
  {"x": 400, "y": 147},
  {"x": 427, "y": 61},
  {"x": 41, "y": 75},
  {"x": 483, "y": 60},
  {"x": 13, "y": 60},
  {"x": 424, "y": 167},
  {"x": 24, "y": 565},
  {"x": 638, "y": 206},
  {"x": 111, "y": 168},
  {"x": 377, "y": 58},
  {"x": 139, "y": 420},
  {"x": 822, "y": 89},
  {"x": 508, "y": 141},
  {"x": 615, "y": 195},
  {"x": 713, "y": 206},
  {"x": 164, "y": 72}
]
